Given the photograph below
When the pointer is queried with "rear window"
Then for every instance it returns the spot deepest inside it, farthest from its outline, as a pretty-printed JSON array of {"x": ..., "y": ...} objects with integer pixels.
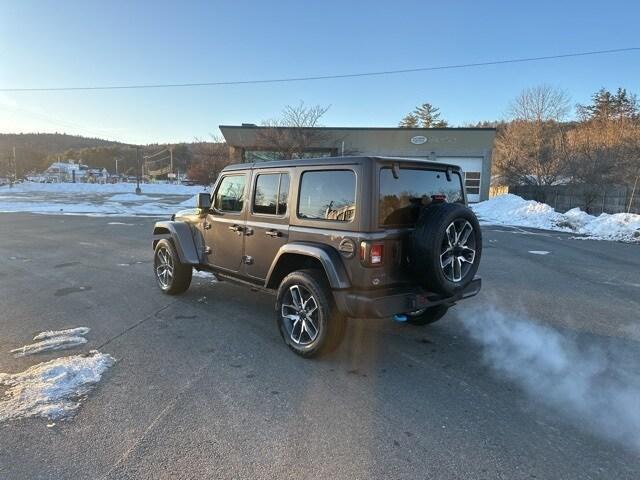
[
  {"x": 401, "y": 198},
  {"x": 327, "y": 195}
]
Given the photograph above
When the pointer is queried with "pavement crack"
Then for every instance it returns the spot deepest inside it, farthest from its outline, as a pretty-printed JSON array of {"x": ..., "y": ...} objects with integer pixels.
[
  {"x": 163, "y": 413},
  {"x": 136, "y": 325}
]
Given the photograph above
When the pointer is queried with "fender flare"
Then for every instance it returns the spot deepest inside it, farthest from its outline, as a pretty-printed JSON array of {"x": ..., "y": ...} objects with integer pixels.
[
  {"x": 182, "y": 237},
  {"x": 328, "y": 257}
]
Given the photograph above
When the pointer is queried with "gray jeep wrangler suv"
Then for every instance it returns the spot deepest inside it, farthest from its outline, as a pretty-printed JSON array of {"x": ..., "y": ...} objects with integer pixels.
[{"x": 333, "y": 238}]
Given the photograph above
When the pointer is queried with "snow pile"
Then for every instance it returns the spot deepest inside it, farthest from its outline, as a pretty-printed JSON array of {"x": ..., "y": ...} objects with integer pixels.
[
  {"x": 620, "y": 226},
  {"x": 52, "y": 389},
  {"x": 53, "y": 340},
  {"x": 510, "y": 209}
]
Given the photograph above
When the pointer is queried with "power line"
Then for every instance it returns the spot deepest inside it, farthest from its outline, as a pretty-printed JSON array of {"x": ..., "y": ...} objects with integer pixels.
[
  {"x": 156, "y": 154},
  {"x": 326, "y": 77}
]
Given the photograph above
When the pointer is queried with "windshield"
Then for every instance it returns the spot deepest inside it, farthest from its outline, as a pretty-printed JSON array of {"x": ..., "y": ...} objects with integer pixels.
[{"x": 401, "y": 198}]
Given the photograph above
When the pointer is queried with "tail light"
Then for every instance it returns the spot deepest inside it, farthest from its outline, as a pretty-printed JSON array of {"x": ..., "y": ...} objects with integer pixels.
[{"x": 372, "y": 253}]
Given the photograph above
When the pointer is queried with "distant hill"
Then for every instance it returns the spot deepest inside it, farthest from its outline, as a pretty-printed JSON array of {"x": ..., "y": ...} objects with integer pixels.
[
  {"x": 50, "y": 143},
  {"x": 36, "y": 151}
]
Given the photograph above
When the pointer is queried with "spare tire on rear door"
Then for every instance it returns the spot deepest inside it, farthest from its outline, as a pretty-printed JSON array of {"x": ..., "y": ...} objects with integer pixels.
[{"x": 445, "y": 247}]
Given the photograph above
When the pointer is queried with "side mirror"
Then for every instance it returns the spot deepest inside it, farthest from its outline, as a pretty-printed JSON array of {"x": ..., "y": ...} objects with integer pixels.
[{"x": 203, "y": 201}]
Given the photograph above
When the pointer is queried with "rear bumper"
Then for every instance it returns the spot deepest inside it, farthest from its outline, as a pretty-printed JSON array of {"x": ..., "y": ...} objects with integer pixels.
[{"x": 388, "y": 302}]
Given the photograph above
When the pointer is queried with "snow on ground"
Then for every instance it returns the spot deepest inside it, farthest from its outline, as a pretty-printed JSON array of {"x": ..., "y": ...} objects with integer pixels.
[
  {"x": 97, "y": 200},
  {"x": 53, "y": 340},
  {"x": 58, "y": 333},
  {"x": 511, "y": 209},
  {"x": 131, "y": 197},
  {"x": 205, "y": 275},
  {"x": 62, "y": 342},
  {"x": 52, "y": 389}
]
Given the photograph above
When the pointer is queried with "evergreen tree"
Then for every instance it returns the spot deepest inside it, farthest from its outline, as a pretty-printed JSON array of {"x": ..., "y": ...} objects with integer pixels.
[
  {"x": 608, "y": 106},
  {"x": 424, "y": 116},
  {"x": 409, "y": 121},
  {"x": 429, "y": 116}
]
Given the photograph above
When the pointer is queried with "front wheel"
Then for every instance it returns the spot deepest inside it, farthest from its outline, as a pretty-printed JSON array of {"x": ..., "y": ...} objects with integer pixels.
[
  {"x": 306, "y": 315},
  {"x": 427, "y": 316},
  {"x": 172, "y": 276}
]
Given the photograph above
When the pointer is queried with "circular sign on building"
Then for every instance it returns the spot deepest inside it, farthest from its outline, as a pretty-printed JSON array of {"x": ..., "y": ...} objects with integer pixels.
[{"x": 418, "y": 139}]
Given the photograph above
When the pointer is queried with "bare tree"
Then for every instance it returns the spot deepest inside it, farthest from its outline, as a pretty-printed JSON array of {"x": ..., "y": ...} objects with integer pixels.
[
  {"x": 295, "y": 132},
  {"x": 209, "y": 158},
  {"x": 532, "y": 148},
  {"x": 542, "y": 103}
]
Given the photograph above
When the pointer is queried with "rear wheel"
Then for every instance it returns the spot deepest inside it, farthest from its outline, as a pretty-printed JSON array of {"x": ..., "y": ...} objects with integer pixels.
[
  {"x": 172, "y": 276},
  {"x": 427, "y": 316},
  {"x": 306, "y": 315},
  {"x": 445, "y": 248}
]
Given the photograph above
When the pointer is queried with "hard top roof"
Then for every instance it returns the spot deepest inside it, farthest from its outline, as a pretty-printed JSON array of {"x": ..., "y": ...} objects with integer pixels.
[{"x": 328, "y": 161}]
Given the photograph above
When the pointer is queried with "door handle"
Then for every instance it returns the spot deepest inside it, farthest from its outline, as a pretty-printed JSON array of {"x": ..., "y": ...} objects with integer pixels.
[
  {"x": 235, "y": 228},
  {"x": 207, "y": 226},
  {"x": 273, "y": 233}
]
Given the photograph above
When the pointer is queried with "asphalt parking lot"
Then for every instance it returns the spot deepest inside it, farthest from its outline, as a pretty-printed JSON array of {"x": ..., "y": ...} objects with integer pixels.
[{"x": 205, "y": 388}]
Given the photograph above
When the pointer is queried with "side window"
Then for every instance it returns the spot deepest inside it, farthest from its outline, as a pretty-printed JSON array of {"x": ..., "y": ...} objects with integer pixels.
[
  {"x": 230, "y": 194},
  {"x": 272, "y": 191},
  {"x": 327, "y": 195}
]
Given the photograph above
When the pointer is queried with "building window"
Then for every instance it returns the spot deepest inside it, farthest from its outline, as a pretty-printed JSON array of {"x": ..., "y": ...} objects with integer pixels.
[
  {"x": 230, "y": 194},
  {"x": 472, "y": 182},
  {"x": 272, "y": 191},
  {"x": 327, "y": 195}
]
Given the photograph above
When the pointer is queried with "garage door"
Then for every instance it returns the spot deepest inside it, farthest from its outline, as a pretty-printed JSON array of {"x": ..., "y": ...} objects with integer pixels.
[{"x": 472, "y": 168}]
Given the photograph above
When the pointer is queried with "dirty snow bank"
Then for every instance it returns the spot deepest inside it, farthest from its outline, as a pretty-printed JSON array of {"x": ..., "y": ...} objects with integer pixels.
[
  {"x": 53, "y": 340},
  {"x": 511, "y": 209},
  {"x": 52, "y": 389}
]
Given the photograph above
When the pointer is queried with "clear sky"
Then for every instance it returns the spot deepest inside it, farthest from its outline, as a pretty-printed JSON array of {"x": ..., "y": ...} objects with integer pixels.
[{"x": 84, "y": 43}]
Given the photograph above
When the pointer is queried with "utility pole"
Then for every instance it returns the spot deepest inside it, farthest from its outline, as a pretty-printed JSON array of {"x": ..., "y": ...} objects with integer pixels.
[
  {"x": 15, "y": 165},
  {"x": 116, "y": 166},
  {"x": 138, "y": 191}
]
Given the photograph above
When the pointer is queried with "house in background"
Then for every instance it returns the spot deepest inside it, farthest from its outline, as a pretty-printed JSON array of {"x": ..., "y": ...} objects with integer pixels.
[{"x": 469, "y": 148}]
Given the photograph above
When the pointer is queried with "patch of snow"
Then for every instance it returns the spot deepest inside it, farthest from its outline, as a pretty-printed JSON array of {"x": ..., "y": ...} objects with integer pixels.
[
  {"x": 54, "y": 340},
  {"x": 130, "y": 197},
  {"x": 109, "y": 188},
  {"x": 52, "y": 389},
  {"x": 62, "y": 342},
  {"x": 206, "y": 275},
  {"x": 539, "y": 252},
  {"x": 58, "y": 333},
  {"x": 511, "y": 209},
  {"x": 98, "y": 200},
  {"x": 120, "y": 223}
]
